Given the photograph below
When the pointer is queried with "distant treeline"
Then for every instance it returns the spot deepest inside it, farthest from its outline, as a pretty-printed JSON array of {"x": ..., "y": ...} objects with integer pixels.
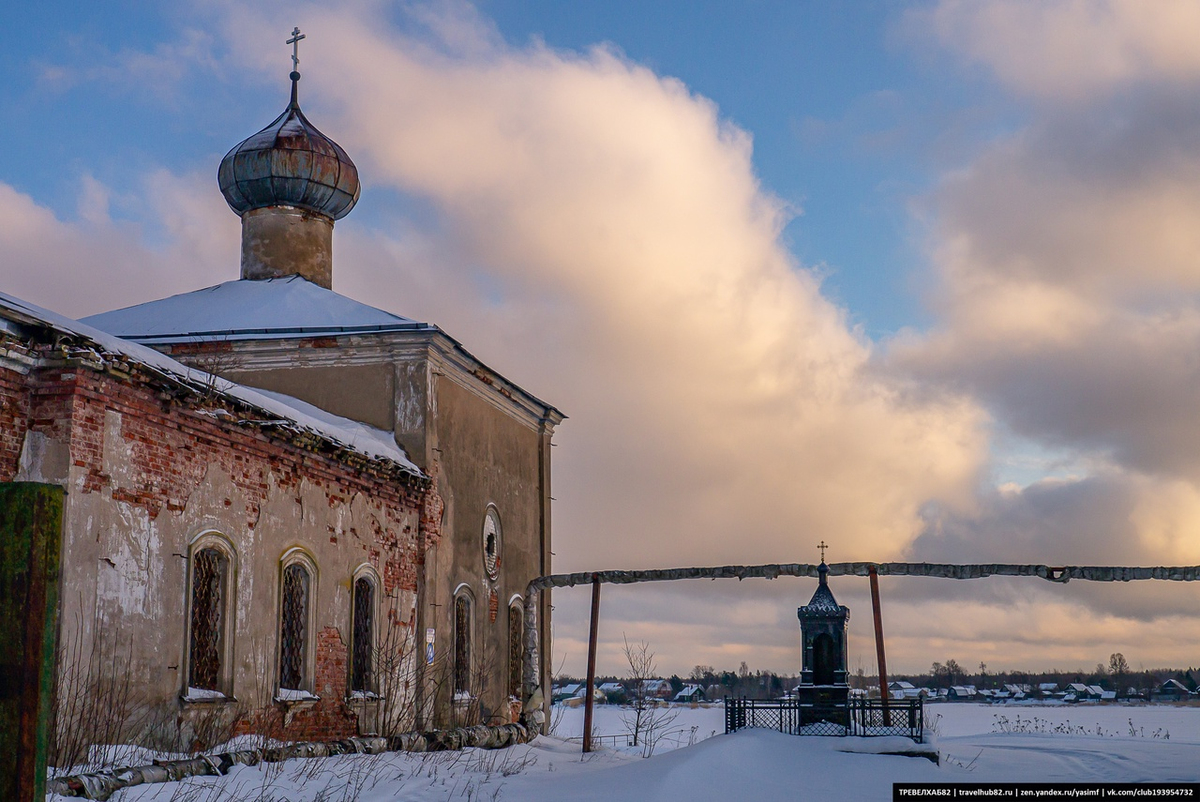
[{"x": 1117, "y": 675}]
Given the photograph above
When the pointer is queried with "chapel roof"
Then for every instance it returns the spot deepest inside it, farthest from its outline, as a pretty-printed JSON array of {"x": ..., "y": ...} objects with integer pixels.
[
  {"x": 245, "y": 309},
  {"x": 822, "y": 601}
]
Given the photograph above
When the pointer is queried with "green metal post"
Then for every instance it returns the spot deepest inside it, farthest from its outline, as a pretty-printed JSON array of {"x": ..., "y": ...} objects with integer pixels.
[{"x": 30, "y": 546}]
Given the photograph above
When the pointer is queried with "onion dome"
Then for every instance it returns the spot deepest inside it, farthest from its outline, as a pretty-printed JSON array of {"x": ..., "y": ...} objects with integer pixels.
[{"x": 290, "y": 163}]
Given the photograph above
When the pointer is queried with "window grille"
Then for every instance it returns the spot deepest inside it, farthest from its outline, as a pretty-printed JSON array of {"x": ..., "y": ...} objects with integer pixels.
[
  {"x": 516, "y": 654},
  {"x": 462, "y": 645},
  {"x": 209, "y": 569},
  {"x": 361, "y": 673},
  {"x": 293, "y": 627}
]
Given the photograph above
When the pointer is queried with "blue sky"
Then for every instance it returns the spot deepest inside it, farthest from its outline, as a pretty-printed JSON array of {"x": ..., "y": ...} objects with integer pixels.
[{"x": 945, "y": 308}]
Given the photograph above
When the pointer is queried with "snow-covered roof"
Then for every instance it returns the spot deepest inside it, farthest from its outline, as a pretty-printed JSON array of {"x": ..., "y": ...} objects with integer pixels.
[
  {"x": 274, "y": 309},
  {"x": 355, "y": 436},
  {"x": 266, "y": 308}
]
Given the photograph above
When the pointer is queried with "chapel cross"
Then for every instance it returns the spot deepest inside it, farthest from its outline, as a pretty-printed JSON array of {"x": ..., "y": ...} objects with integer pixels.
[
  {"x": 295, "y": 43},
  {"x": 822, "y": 546}
]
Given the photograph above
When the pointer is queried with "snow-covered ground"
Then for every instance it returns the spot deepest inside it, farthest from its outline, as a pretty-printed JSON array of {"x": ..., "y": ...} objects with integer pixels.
[{"x": 1080, "y": 743}]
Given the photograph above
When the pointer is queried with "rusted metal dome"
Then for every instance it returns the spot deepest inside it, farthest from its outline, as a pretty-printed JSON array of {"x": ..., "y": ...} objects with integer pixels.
[{"x": 290, "y": 163}]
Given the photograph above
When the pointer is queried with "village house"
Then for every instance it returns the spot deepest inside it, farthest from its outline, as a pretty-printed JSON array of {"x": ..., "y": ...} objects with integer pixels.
[
  {"x": 656, "y": 689},
  {"x": 690, "y": 694},
  {"x": 1171, "y": 691}
]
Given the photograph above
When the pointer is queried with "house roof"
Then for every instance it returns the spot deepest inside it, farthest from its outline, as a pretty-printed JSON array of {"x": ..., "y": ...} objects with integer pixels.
[{"x": 353, "y": 435}]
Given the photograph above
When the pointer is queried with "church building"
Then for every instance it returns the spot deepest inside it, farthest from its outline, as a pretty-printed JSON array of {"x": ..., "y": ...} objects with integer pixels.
[{"x": 281, "y": 501}]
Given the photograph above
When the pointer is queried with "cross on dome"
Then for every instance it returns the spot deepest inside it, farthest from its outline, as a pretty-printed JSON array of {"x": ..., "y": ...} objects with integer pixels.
[
  {"x": 295, "y": 43},
  {"x": 822, "y": 546}
]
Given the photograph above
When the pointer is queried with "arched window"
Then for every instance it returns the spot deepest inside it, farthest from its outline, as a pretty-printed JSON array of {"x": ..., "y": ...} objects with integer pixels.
[
  {"x": 362, "y": 641},
  {"x": 462, "y": 643},
  {"x": 516, "y": 652},
  {"x": 295, "y": 623},
  {"x": 210, "y": 573}
]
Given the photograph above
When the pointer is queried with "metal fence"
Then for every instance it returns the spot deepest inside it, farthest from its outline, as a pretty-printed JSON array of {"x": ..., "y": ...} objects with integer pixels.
[{"x": 866, "y": 717}]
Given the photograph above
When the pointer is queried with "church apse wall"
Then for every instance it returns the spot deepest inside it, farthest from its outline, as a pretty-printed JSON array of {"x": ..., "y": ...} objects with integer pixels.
[
  {"x": 487, "y": 473},
  {"x": 215, "y": 564}
]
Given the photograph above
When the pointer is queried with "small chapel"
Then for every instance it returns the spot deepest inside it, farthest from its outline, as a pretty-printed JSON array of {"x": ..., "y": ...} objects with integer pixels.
[
  {"x": 281, "y": 502},
  {"x": 823, "y": 645}
]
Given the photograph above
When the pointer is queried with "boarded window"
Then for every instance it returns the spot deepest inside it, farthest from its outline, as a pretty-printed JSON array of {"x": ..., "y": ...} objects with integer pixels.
[
  {"x": 462, "y": 645},
  {"x": 293, "y": 627},
  {"x": 209, "y": 571},
  {"x": 516, "y": 654},
  {"x": 362, "y": 648}
]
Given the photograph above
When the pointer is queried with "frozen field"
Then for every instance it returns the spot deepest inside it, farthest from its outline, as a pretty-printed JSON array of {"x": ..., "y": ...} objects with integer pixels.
[
  {"x": 947, "y": 721},
  {"x": 1079, "y": 743}
]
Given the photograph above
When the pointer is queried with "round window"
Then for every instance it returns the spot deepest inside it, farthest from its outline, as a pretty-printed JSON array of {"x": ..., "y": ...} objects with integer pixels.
[{"x": 491, "y": 543}]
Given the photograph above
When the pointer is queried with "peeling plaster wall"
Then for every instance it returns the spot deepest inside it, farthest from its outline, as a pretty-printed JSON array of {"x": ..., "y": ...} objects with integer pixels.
[
  {"x": 146, "y": 477},
  {"x": 359, "y": 392}
]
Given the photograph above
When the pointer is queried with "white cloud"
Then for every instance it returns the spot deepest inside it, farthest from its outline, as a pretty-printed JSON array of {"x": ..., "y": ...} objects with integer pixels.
[
  {"x": 1070, "y": 49},
  {"x": 83, "y": 266}
]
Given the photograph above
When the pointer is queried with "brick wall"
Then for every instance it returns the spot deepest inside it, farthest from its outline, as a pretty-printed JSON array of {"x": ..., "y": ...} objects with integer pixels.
[
  {"x": 169, "y": 444},
  {"x": 14, "y": 420}
]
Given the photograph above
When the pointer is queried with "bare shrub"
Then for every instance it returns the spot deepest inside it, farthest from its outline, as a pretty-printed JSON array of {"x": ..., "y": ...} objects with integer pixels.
[{"x": 646, "y": 719}]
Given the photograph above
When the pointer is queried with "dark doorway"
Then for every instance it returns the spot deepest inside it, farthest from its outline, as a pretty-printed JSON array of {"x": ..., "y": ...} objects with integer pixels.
[{"x": 824, "y": 659}]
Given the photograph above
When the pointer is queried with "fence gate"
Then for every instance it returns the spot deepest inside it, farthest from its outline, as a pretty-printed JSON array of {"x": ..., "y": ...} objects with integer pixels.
[{"x": 863, "y": 717}]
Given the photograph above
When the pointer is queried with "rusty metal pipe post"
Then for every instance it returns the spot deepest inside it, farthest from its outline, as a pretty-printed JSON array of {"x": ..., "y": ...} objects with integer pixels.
[
  {"x": 589, "y": 701},
  {"x": 884, "y": 696}
]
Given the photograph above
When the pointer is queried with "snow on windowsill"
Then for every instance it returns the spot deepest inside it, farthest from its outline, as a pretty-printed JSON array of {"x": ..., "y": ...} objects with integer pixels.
[
  {"x": 204, "y": 695},
  {"x": 292, "y": 695},
  {"x": 364, "y": 696}
]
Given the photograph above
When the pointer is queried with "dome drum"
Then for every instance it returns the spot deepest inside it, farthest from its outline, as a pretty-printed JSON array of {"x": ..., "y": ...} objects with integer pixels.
[{"x": 280, "y": 241}]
